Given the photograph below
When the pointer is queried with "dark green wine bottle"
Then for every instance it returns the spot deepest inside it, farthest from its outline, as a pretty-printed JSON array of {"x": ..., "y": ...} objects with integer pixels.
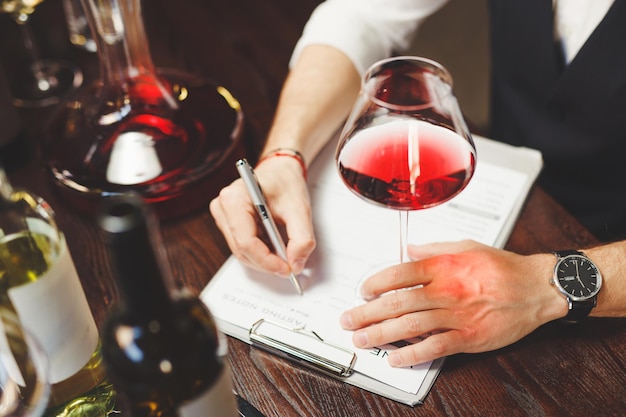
[{"x": 162, "y": 351}]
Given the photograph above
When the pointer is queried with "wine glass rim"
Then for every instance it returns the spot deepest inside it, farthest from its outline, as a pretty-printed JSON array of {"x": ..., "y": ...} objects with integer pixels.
[
  {"x": 412, "y": 58},
  {"x": 437, "y": 69},
  {"x": 19, "y": 336}
]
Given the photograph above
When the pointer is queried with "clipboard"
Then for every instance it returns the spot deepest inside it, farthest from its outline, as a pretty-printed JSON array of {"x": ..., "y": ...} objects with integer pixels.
[
  {"x": 260, "y": 335},
  {"x": 303, "y": 346}
]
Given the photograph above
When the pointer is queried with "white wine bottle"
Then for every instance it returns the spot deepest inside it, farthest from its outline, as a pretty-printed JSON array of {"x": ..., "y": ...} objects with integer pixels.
[
  {"x": 39, "y": 283},
  {"x": 162, "y": 349}
]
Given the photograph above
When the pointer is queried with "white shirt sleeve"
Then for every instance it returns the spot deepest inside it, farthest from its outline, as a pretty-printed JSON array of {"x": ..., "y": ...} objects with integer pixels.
[{"x": 365, "y": 30}]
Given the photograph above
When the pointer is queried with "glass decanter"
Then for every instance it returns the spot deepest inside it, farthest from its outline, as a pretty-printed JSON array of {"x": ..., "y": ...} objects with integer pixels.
[{"x": 161, "y": 133}]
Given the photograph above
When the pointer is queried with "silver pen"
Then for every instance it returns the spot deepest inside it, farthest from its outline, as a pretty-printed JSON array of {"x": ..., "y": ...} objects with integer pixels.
[{"x": 258, "y": 200}]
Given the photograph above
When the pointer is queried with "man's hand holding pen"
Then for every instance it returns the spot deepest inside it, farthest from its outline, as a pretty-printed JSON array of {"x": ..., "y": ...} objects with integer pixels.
[{"x": 237, "y": 218}]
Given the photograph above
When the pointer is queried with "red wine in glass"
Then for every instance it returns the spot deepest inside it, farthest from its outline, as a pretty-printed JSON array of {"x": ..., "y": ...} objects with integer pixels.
[{"x": 406, "y": 164}]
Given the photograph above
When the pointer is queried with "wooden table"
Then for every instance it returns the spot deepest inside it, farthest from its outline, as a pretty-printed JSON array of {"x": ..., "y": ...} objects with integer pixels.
[{"x": 245, "y": 44}]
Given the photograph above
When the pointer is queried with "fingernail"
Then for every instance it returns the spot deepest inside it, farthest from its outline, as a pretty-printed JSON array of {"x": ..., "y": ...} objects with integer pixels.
[
  {"x": 364, "y": 295},
  {"x": 394, "y": 359},
  {"x": 283, "y": 273},
  {"x": 359, "y": 339},
  {"x": 346, "y": 321},
  {"x": 298, "y": 266}
]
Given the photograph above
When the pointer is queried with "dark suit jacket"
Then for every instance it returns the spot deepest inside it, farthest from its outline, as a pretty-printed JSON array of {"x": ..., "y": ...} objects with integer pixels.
[{"x": 574, "y": 114}]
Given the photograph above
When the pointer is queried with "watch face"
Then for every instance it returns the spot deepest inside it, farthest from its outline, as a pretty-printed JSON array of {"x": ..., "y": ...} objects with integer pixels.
[{"x": 578, "y": 277}]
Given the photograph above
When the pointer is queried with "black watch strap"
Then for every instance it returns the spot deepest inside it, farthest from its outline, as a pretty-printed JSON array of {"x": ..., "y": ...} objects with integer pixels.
[
  {"x": 579, "y": 310},
  {"x": 564, "y": 253}
]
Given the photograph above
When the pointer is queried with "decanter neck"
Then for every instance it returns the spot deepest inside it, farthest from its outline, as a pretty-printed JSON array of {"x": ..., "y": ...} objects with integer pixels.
[{"x": 121, "y": 39}]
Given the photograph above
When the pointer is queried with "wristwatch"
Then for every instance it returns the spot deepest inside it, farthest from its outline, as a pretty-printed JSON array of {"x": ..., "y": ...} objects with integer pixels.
[{"x": 579, "y": 280}]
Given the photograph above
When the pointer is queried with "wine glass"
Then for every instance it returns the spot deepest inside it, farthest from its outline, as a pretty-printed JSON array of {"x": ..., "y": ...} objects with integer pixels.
[
  {"x": 405, "y": 145},
  {"x": 44, "y": 82},
  {"x": 24, "y": 385}
]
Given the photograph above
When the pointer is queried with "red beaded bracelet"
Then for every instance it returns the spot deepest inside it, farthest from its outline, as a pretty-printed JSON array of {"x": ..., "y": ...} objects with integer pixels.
[{"x": 291, "y": 153}]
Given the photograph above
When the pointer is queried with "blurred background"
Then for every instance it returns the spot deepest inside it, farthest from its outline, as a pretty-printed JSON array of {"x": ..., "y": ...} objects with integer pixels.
[{"x": 457, "y": 37}]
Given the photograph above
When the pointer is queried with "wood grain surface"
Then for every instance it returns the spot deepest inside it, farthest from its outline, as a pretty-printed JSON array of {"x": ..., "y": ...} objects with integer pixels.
[{"x": 245, "y": 45}]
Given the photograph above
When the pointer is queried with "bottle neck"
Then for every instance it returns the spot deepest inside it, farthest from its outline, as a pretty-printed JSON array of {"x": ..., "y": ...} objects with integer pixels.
[
  {"x": 140, "y": 275},
  {"x": 130, "y": 231},
  {"x": 22, "y": 211}
]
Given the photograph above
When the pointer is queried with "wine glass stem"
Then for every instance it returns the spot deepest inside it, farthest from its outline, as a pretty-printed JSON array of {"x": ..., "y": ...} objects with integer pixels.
[
  {"x": 404, "y": 235},
  {"x": 33, "y": 54}
]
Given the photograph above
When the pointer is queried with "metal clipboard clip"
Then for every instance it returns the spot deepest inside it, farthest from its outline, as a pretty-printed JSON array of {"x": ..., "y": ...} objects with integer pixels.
[{"x": 303, "y": 346}]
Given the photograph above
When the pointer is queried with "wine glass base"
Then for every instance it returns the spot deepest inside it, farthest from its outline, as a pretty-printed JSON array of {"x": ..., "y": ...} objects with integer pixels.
[{"x": 56, "y": 81}]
